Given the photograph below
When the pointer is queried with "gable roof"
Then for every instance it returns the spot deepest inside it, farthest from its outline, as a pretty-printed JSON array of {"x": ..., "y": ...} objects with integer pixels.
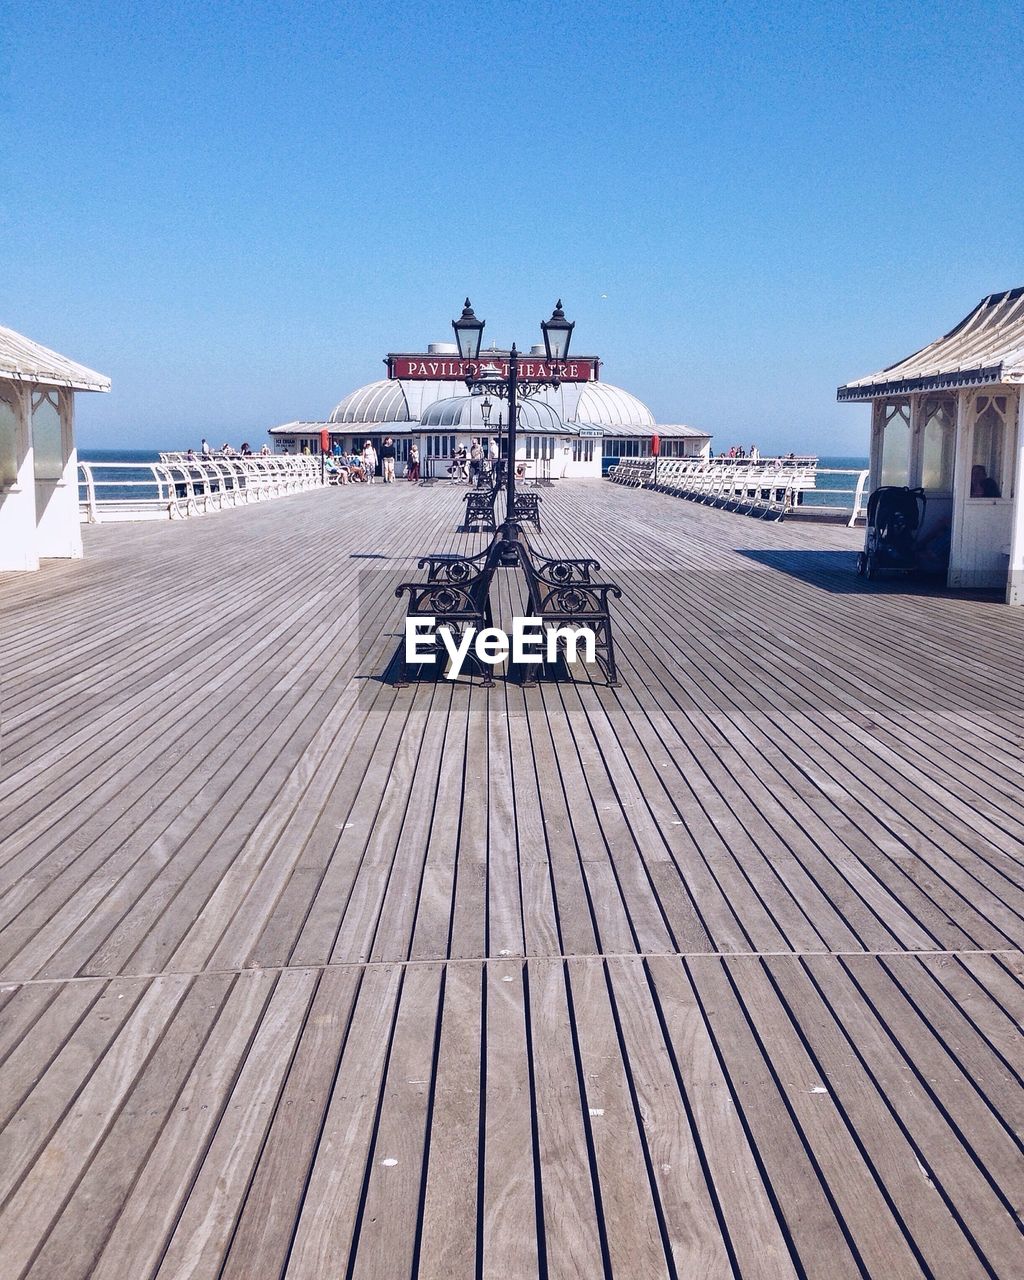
[
  {"x": 985, "y": 347},
  {"x": 22, "y": 360}
]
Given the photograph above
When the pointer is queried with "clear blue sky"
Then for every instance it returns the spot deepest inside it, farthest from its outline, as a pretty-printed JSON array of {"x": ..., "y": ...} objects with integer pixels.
[{"x": 235, "y": 210}]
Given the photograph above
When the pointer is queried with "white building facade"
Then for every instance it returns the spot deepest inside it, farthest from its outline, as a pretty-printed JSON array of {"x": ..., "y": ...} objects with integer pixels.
[
  {"x": 562, "y": 432},
  {"x": 950, "y": 419},
  {"x": 38, "y": 461}
]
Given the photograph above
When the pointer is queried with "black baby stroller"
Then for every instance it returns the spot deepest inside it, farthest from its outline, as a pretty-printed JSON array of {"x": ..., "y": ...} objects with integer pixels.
[{"x": 894, "y": 519}]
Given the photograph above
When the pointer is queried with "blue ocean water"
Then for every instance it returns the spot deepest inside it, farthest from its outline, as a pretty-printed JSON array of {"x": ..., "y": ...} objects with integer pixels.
[
  {"x": 831, "y": 490},
  {"x": 835, "y": 491}
]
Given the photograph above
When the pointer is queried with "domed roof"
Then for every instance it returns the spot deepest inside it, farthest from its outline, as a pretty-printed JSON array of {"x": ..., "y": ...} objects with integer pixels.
[
  {"x": 376, "y": 402},
  {"x": 599, "y": 404},
  {"x": 464, "y": 412},
  {"x": 595, "y": 403}
]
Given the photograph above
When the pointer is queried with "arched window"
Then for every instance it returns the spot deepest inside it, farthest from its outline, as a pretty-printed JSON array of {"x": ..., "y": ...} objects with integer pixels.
[
  {"x": 895, "y": 442},
  {"x": 9, "y": 424},
  {"x": 988, "y": 447},
  {"x": 938, "y": 417},
  {"x": 47, "y": 444}
]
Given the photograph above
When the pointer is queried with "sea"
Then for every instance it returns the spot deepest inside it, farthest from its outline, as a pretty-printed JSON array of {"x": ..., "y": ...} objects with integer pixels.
[{"x": 831, "y": 490}]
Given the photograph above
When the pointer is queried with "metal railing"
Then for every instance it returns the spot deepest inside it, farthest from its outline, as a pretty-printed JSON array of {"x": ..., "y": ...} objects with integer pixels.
[
  {"x": 765, "y": 487},
  {"x": 859, "y": 506},
  {"x": 178, "y": 487}
]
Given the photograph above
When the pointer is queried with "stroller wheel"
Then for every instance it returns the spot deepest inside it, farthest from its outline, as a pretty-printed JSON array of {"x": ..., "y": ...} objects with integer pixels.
[
  {"x": 869, "y": 567},
  {"x": 861, "y": 558}
]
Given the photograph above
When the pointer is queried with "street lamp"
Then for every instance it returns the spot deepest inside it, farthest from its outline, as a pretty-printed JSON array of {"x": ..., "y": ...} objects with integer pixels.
[
  {"x": 557, "y": 333},
  {"x": 468, "y": 332},
  {"x": 456, "y": 592}
]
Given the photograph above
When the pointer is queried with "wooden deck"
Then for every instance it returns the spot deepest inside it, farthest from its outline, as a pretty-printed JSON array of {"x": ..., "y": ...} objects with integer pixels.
[{"x": 717, "y": 974}]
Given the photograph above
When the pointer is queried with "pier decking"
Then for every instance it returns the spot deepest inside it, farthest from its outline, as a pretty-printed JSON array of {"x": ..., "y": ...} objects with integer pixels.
[{"x": 717, "y": 974}]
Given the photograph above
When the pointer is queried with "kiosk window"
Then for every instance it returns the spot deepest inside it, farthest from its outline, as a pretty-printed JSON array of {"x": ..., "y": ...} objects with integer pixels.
[
  {"x": 895, "y": 442},
  {"x": 987, "y": 447},
  {"x": 939, "y": 417}
]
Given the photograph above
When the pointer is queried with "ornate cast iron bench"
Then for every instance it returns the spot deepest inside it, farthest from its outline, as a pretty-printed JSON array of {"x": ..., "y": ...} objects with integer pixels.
[
  {"x": 527, "y": 507},
  {"x": 562, "y": 592},
  {"x": 457, "y": 595},
  {"x": 480, "y": 510}
]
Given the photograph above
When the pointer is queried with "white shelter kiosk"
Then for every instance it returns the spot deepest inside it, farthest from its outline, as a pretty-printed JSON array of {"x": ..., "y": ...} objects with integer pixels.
[
  {"x": 948, "y": 419},
  {"x": 38, "y": 462}
]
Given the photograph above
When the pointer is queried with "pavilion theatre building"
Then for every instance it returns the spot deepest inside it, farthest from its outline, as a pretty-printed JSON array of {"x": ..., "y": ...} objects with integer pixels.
[
  {"x": 568, "y": 431},
  {"x": 950, "y": 420}
]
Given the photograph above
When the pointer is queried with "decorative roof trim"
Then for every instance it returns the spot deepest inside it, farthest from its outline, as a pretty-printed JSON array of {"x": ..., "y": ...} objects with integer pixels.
[
  {"x": 986, "y": 347},
  {"x": 937, "y": 382}
]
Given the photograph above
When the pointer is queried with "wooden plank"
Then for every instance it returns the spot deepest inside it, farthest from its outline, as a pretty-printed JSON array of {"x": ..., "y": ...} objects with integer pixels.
[
  {"x": 678, "y": 1164},
  {"x": 574, "y": 1242},
  {"x": 32, "y": 1208},
  {"x": 334, "y": 1194},
  {"x": 745, "y": 1198},
  {"x": 509, "y": 1227},
  {"x": 387, "y": 1229},
  {"x": 819, "y": 1237},
  {"x": 447, "y": 1247},
  {"x": 875, "y": 1234},
  {"x": 207, "y": 1221},
  {"x": 934, "y": 1233},
  {"x": 263, "y": 1237},
  {"x": 631, "y": 1209},
  {"x": 139, "y": 1237},
  {"x": 73, "y": 1245}
]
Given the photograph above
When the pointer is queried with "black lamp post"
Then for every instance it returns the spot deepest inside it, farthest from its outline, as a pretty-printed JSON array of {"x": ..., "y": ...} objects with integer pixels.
[
  {"x": 456, "y": 593},
  {"x": 468, "y": 334}
]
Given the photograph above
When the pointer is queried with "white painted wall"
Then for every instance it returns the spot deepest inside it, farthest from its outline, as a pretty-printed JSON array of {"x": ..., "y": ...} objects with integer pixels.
[
  {"x": 59, "y": 530},
  {"x": 982, "y": 527},
  {"x": 18, "y": 546},
  {"x": 1015, "y": 576}
]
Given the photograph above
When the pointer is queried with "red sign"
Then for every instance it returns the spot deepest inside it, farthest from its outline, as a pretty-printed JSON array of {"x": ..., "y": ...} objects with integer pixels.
[
  {"x": 325, "y": 441},
  {"x": 655, "y": 445},
  {"x": 452, "y": 369}
]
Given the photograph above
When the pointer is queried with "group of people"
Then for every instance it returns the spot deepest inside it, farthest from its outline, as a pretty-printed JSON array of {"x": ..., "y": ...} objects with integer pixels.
[
  {"x": 468, "y": 465},
  {"x": 738, "y": 451},
  {"x": 361, "y": 468},
  {"x": 226, "y": 451}
]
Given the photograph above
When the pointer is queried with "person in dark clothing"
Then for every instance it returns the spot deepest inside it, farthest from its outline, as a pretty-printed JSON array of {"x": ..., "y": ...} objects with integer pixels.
[{"x": 387, "y": 459}]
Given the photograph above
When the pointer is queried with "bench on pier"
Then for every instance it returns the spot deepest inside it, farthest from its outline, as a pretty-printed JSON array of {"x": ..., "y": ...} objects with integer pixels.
[
  {"x": 456, "y": 594},
  {"x": 479, "y": 510},
  {"x": 562, "y": 592},
  {"x": 527, "y": 508},
  {"x": 767, "y": 489}
]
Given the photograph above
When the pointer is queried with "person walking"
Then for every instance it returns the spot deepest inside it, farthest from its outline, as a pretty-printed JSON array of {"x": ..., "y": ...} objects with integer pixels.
[
  {"x": 459, "y": 469},
  {"x": 387, "y": 459},
  {"x": 476, "y": 462},
  {"x": 369, "y": 461},
  {"x": 413, "y": 470},
  {"x": 205, "y": 448}
]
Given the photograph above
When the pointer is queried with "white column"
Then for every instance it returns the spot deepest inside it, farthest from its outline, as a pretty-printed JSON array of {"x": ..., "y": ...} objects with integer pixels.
[
  {"x": 1015, "y": 577},
  {"x": 914, "y": 445},
  {"x": 59, "y": 528},
  {"x": 875, "y": 450},
  {"x": 961, "y": 489},
  {"x": 17, "y": 481}
]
